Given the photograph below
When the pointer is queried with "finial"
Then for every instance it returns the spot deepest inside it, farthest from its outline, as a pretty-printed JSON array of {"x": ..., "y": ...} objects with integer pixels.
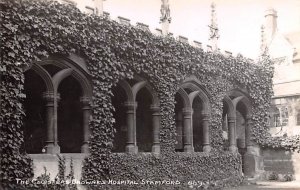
[
  {"x": 165, "y": 18},
  {"x": 262, "y": 37},
  {"x": 263, "y": 45},
  {"x": 165, "y": 12},
  {"x": 213, "y": 27}
]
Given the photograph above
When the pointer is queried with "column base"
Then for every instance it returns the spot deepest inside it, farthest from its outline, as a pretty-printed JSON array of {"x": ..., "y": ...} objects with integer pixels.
[
  {"x": 252, "y": 165},
  {"x": 206, "y": 148},
  {"x": 253, "y": 162},
  {"x": 156, "y": 149},
  {"x": 188, "y": 148},
  {"x": 85, "y": 148},
  {"x": 52, "y": 149},
  {"x": 233, "y": 149},
  {"x": 130, "y": 148}
]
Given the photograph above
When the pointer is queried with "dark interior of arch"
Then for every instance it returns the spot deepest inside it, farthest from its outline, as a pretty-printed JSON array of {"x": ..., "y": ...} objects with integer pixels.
[
  {"x": 225, "y": 113},
  {"x": 70, "y": 123},
  {"x": 241, "y": 113},
  {"x": 197, "y": 124},
  {"x": 51, "y": 69},
  {"x": 225, "y": 110},
  {"x": 179, "y": 122},
  {"x": 35, "y": 120},
  {"x": 120, "y": 137},
  {"x": 144, "y": 130},
  {"x": 241, "y": 107}
]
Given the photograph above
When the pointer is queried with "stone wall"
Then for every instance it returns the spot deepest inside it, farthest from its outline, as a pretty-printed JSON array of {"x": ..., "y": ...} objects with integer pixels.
[
  {"x": 281, "y": 162},
  {"x": 50, "y": 161}
]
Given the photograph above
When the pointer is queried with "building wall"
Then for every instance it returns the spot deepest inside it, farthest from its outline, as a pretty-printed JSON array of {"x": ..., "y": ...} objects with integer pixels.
[
  {"x": 281, "y": 162},
  {"x": 283, "y": 48},
  {"x": 285, "y": 111}
]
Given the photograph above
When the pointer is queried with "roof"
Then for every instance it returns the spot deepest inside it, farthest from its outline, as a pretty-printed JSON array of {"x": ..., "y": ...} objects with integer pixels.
[
  {"x": 287, "y": 88},
  {"x": 294, "y": 39}
]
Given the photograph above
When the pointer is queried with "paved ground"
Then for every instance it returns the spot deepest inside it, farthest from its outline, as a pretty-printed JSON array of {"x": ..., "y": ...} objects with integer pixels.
[{"x": 269, "y": 185}]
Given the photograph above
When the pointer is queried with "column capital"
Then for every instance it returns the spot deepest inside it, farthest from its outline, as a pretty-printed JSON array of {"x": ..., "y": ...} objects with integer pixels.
[
  {"x": 231, "y": 119},
  {"x": 85, "y": 101},
  {"x": 50, "y": 96},
  {"x": 154, "y": 108},
  {"x": 205, "y": 116},
  {"x": 187, "y": 111},
  {"x": 131, "y": 105},
  {"x": 248, "y": 117}
]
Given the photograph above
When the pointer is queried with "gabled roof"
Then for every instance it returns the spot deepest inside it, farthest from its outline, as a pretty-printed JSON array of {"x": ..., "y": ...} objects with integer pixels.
[{"x": 294, "y": 39}]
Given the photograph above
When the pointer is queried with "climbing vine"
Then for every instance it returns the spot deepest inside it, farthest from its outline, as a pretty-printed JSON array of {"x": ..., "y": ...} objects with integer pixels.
[{"x": 33, "y": 30}]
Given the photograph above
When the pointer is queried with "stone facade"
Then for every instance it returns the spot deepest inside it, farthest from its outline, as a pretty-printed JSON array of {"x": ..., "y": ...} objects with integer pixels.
[
  {"x": 285, "y": 115},
  {"x": 285, "y": 111}
]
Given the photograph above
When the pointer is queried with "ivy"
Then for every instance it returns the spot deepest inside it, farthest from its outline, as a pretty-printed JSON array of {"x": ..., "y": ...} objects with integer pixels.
[{"x": 33, "y": 30}]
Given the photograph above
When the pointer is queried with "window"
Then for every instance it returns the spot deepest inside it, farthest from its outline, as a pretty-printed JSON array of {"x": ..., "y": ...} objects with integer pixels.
[
  {"x": 280, "y": 116},
  {"x": 298, "y": 117},
  {"x": 284, "y": 116}
]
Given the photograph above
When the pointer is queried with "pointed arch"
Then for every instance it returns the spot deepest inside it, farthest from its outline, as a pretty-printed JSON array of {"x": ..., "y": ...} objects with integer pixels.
[
  {"x": 231, "y": 107},
  {"x": 78, "y": 73},
  {"x": 147, "y": 85},
  {"x": 194, "y": 86},
  {"x": 239, "y": 96},
  {"x": 44, "y": 75},
  {"x": 185, "y": 98},
  {"x": 127, "y": 88}
]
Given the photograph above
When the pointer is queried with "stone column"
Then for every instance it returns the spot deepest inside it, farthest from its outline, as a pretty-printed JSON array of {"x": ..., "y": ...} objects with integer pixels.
[
  {"x": 248, "y": 126},
  {"x": 51, "y": 146},
  {"x": 232, "y": 136},
  {"x": 206, "y": 140},
  {"x": 131, "y": 140},
  {"x": 252, "y": 160},
  {"x": 187, "y": 130},
  {"x": 85, "y": 121},
  {"x": 155, "y": 128}
]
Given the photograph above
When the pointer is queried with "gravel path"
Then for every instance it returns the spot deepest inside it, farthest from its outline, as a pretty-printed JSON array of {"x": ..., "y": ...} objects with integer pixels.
[{"x": 269, "y": 185}]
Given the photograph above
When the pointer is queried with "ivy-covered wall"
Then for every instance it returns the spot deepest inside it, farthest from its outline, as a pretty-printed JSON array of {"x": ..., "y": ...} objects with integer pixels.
[
  {"x": 33, "y": 30},
  {"x": 175, "y": 171}
]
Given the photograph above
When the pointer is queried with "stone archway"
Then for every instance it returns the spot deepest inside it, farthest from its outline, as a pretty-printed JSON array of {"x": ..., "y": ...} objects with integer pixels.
[
  {"x": 239, "y": 112},
  {"x": 53, "y": 71},
  {"x": 35, "y": 123},
  {"x": 192, "y": 112},
  {"x": 142, "y": 116}
]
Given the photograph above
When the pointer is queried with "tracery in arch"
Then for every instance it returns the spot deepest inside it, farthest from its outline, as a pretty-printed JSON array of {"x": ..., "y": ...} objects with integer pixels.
[
  {"x": 137, "y": 116},
  {"x": 192, "y": 112},
  {"x": 59, "y": 78}
]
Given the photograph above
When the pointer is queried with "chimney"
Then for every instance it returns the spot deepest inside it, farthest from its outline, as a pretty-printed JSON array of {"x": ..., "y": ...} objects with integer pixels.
[{"x": 270, "y": 23}]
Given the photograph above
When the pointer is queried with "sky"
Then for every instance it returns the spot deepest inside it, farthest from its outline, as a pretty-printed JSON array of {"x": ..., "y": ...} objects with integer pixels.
[{"x": 239, "y": 21}]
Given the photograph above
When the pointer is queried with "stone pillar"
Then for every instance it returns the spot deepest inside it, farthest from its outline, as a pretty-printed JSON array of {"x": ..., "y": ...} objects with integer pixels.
[
  {"x": 155, "y": 128},
  {"x": 51, "y": 146},
  {"x": 99, "y": 7},
  {"x": 206, "y": 140},
  {"x": 179, "y": 129},
  {"x": 131, "y": 139},
  {"x": 248, "y": 126},
  {"x": 187, "y": 130},
  {"x": 252, "y": 159},
  {"x": 232, "y": 136},
  {"x": 86, "y": 129}
]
